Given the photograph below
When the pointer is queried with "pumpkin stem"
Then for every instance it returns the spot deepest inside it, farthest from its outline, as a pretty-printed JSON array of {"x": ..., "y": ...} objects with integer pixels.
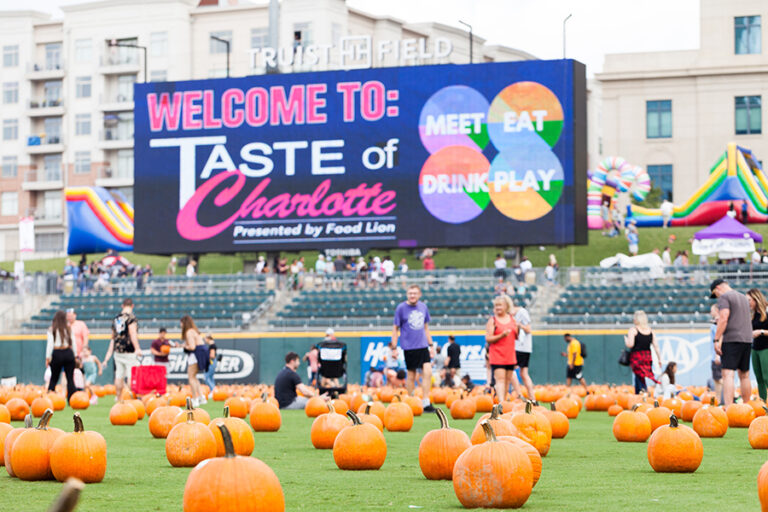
[
  {"x": 329, "y": 403},
  {"x": 78, "y": 422},
  {"x": 712, "y": 401},
  {"x": 70, "y": 494},
  {"x": 528, "y": 407},
  {"x": 490, "y": 436},
  {"x": 190, "y": 416},
  {"x": 354, "y": 417},
  {"x": 189, "y": 404},
  {"x": 766, "y": 410},
  {"x": 552, "y": 406},
  {"x": 226, "y": 411},
  {"x": 28, "y": 421},
  {"x": 673, "y": 421},
  {"x": 229, "y": 448},
  {"x": 655, "y": 403},
  {"x": 399, "y": 399},
  {"x": 43, "y": 425},
  {"x": 368, "y": 407},
  {"x": 495, "y": 412},
  {"x": 634, "y": 407},
  {"x": 264, "y": 396},
  {"x": 441, "y": 416}
]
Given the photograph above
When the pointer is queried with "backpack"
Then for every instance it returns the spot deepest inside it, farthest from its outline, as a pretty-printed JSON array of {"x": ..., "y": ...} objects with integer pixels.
[
  {"x": 120, "y": 329},
  {"x": 583, "y": 350}
]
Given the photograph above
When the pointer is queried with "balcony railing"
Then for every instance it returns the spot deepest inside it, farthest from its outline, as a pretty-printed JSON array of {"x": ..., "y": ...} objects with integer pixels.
[
  {"x": 36, "y": 175},
  {"x": 115, "y": 173},
  {"x": 120, "y": 60},
  {"x": 42, "y": 139},
  {"x": 38, "y": 67},
  {"x": 33, "y": 104},
  {"x": 41, "y": 215},
  {"x": 116, "y": 98},
  {"x": 115, "y": 134}
]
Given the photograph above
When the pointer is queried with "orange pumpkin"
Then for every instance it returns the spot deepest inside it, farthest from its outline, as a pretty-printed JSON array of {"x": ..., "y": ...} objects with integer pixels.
[
  {"x": 758, "y": 406},
  {"x": 162, "y": 420},
  {"x": 675, "y": 448},
  {"x": 494, "y": 474},
  {"x": 238, "y": 408},
  {"x": 689, "y": 409},
  {"x": 530, "y": 451},
  {"x": 315, "y": 407},
  {"x": 558, "y": 421},
  {"x": 18, "y": 408},
  {"x": 5, "y": 428},
  {"x": 762, "y": 487},
  {"x": 710, "y": 421},
  {"x": 440, "y": 448},
  {"x": 632, "y": 426},
  {"x": 189, "y": 443},
  {"x": 367, "y": 417},
  {"x": 500, "y": 426},
  {"x": 377, "y": 408},
  {"x": 141, "y": 410},
  {"x": 198, "y": 414},
  {"x": 326, "y": 427},
  {"x": 615, "y": 409},
  {"x": 658, "y": 414},
  {"x": 740, "y": 415},
  {"x": 675, "y": 405},
  {"x": 5, "y": 414},
  {"x": 165, "y": 349},
  {"x": 569, "y": 406},
  {"x": 758, "y": 432},
  {"x": 484, "y": 403},
  {"x": 398, "y": 416},
  {"x": 79, "y": 400},
  {"x": 242, "y": 438},
  {"x": 359, "y": 446},
  {"x": 40, "y": 405},
  {"x": 534, "y": 428},
  {"x": 463, "y": 408},
  {"x": 81, "y": 454},
  {"x": 415, "y": 404},
  {"x": 229, "y": 482},
  {"x": 8, "y": 441},
  {"x": 265, "y": 416},
  {"x": 123, "y": 414},
  {"x": 30, "y": 454},
  {"x": 58, "y": 401}
]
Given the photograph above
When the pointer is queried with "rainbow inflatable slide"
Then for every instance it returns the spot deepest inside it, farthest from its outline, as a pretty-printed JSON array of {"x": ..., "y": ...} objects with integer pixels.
[
  {"x": 98, "y": 220},
  {"x": 735, "y": 178}
]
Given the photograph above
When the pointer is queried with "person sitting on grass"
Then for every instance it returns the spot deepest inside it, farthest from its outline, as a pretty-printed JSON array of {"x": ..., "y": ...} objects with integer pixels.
[{"x": 288, "y": 385}]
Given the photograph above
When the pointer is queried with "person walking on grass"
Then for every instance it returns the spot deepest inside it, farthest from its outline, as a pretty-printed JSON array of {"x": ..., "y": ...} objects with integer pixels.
[
  {"x": 640, "y": 339},
  {"x": 79, "y": 331},
  {"x": 733, "y": 338},
  {"x": 197, "y": 357},
  {"x": 124, "y": 345},
  {"x": 501, "y": 333},
  {"x": 758, "y": 306},
  {"x": 411, "y": 327},
  {"x": 213, "y": 359},
  {"x": 717, "y": 364},
  {"x": 524, "y": 347},
  {"x": 575, "y": 361},
  {"x": 452, "y": 358},
  {"x": 60, "y": 353}
]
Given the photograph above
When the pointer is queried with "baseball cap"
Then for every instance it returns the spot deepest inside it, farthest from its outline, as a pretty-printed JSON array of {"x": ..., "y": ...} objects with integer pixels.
[
  {"x": 329, "y": 332},
  {"x": 717, "y": 282}
]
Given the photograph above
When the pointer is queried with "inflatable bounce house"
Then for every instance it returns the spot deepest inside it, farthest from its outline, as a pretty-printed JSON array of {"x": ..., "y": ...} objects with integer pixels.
[
  {"x": 736, "y": 177},
  {"x": 98, "y": 221}
]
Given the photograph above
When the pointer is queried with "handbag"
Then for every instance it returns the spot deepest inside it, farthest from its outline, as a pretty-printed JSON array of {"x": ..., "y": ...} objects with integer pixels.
[{"x": 624, "y": 358}]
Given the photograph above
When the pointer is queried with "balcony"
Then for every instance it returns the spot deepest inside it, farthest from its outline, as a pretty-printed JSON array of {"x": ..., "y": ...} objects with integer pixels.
[
  {"x": 45, "y": 108},
  {"x": 115, "y": 177},
  {"x": 113, "y": 138},
  {"x": 43, "y": 145},
  {"x": 48, "y": 179},
  {"x": 119, "y": 64},
  {"x": 44, "y": 218},
  {"x": 46, "y": 71},
  {"x": 116, "y": 103}
]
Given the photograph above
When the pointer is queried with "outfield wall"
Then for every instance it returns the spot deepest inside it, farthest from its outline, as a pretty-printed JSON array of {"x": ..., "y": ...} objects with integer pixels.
[{"x": 250, "y": 357}]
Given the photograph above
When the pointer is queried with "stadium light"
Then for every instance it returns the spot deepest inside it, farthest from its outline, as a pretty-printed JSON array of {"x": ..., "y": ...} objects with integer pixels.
[
  {"x": 113, "y": 43},
  {"x": 565, "y": 20},
  {"x": 222, "y": 40},
  {"x": 470, "y": 39}
]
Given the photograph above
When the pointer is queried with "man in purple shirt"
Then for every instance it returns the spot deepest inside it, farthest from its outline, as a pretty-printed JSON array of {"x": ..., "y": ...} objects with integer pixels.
[{"x": 411, "y": 325}]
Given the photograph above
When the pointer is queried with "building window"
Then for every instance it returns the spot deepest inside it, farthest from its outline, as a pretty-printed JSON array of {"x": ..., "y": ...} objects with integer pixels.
[
  {"x": 124, "y": 54},
  {"x": 52, "y": 127},
  {"x": 159, "y": 75},
  {"x": 658, "y": 119},
  {"x": 125, "y": 87},
  {"x": 83, "y": 87},
  {"x": 125, "y": 163},
  {"x": 53, "y": 56},
  {"x": 748, "y": 38},
  {"x": 127, "y": 193},
  {"x": 10, "y": 168},
  {"x": 302, "y": 34},
  {"x": 9, "y": 202},
  {"x": 52, "y": 93},
  {"x": 83, "y": 124},
  {"x": 52, "y": 167},
  {"x": 218, "y": 46},
  {"x": 49, "y": 242},
  {"x": 661, "y": 176},
  {"x": 82, "y": 162},
  {"x": 336, "y": 31},
  {"x": 10, "y": 92},
  {"x": 11, "y": 56},
  {"x": 259, "y": 37},
  {"x": 158, "y": 44},
  {"x": 748, "y": 115},
  {"x": 10, "y": 129},
  {"x": 83, "y": 50}
]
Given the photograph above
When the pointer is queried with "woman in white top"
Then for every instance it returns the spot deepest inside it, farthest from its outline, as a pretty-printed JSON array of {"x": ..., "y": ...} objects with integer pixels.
[
  {"x": 666, "y": 387},
  {"x": 197, "y": 354},
  {"x": 59, "y": 353}
]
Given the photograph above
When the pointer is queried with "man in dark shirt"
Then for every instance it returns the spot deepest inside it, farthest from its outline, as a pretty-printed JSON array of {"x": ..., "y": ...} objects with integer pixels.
[
  {"x": 288, "y": 382},
  {"x": 453, "y": 359}
]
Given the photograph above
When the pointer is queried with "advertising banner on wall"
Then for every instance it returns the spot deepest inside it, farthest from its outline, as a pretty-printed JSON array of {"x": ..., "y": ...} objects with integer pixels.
[
  {"x": 234, "y": 366},
  {"x": 448, "y": 155}
]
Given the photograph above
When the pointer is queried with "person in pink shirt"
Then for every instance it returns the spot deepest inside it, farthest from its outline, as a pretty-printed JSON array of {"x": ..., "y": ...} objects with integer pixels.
[
  {"x": 312, "y": 359},
  {"x": 79, "y": 330}
]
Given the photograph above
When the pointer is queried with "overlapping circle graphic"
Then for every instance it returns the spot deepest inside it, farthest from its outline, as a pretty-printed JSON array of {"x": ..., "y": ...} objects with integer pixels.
[{"x": 525, "y": 181}]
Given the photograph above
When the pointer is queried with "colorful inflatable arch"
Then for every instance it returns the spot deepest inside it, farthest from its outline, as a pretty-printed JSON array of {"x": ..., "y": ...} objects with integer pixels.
[
  {"x": 98, "y": 221},
  {"x": 737, "y": 177},
  {"x": 614, "y": 175}
]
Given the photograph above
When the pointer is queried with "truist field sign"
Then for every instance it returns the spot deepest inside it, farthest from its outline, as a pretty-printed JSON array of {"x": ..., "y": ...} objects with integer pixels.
[{"x": 484, "y": 154}]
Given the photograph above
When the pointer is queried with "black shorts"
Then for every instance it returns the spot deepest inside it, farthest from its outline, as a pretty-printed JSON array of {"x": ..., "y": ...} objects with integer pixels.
[
  {"x": 574, "y": 373},
  {"x": 508, "y": 367},
  {"x": 736, "y": 356},
  {"x": 523, "y": 358},
  {"x": 717, "y": 371},
  {"x": 415, "y": 359}
]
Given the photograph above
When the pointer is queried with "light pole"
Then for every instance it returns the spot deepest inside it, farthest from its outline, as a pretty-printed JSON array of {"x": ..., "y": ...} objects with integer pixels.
[
  {"x": 221, "y": 40},
  {"x": 470, "y": 39},
  {"x": 115, "y": 44},
  {"x": 564, "y": 21}
]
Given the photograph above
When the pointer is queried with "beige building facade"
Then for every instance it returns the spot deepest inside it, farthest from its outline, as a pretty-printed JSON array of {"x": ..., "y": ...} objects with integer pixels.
[
  {"x": 66, "y": 110},
  {"x": 674, "y": 112}
]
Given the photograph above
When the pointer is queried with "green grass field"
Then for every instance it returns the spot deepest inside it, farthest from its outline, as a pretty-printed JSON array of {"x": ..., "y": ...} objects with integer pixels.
[
  {"x": 586, "y": 471},
  {"x": 599, "y": 247}
]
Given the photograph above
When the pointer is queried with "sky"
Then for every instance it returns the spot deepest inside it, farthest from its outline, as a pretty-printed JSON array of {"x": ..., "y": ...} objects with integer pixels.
[{"x": 595, "y": 28}]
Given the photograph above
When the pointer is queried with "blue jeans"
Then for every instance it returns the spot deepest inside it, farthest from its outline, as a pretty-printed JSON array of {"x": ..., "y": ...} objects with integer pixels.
[
  {"x": 208, "y": 376},
  {"x": 639, "y": 384}
]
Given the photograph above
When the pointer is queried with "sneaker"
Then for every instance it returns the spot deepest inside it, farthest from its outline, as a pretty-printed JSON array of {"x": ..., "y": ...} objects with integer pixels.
[
  {"x": 202, "y": 400},
  {"x": 195, "y": 403},
  {"x": 429, "y": 408},
  {"x": 210, "y": 395}
]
